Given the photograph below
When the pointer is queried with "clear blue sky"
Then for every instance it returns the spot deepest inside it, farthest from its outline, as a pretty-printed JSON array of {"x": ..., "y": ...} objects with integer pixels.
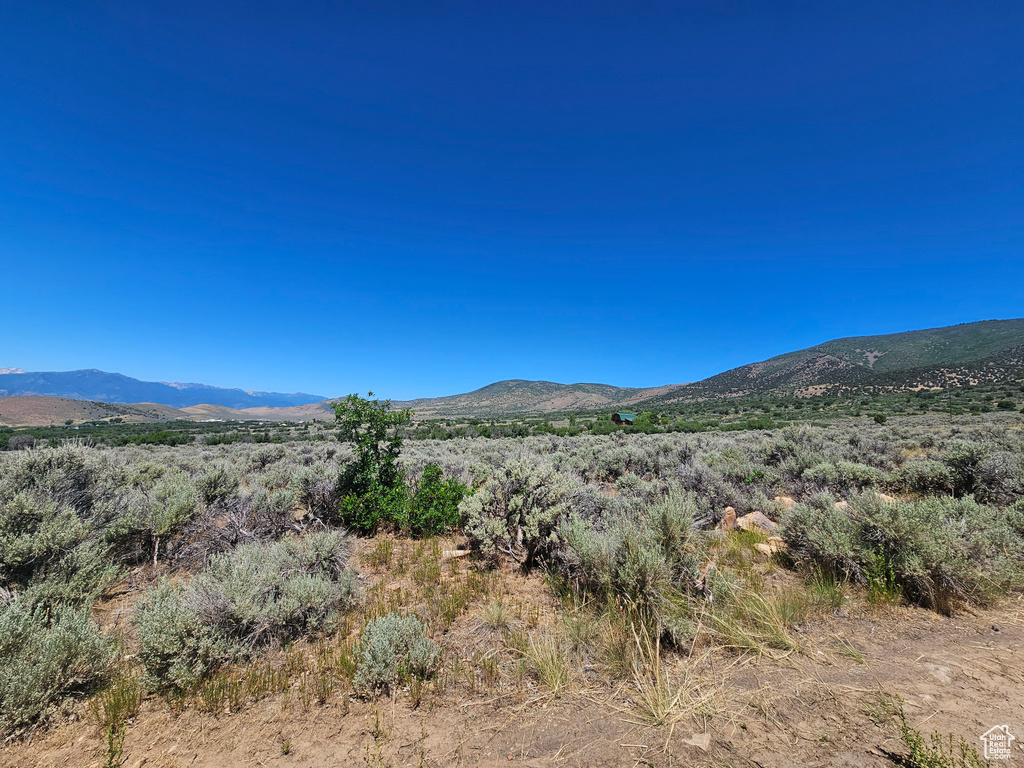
[{"x": 421, "y": 198}]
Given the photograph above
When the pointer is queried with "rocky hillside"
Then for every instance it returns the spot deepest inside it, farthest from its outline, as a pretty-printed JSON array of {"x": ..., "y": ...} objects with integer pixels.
[
  {"x": 518, "y": 396},
  {"x": 974, "y": 353}
]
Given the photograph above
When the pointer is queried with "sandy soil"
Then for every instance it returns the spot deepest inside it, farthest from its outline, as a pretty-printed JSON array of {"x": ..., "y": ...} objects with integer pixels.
[{"x": 959, "y": 675}]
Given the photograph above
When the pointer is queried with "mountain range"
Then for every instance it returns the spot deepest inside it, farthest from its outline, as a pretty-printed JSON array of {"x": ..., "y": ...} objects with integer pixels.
[
  {"x": 106, "y": 387},
  {"x": 986, "y": 352}
]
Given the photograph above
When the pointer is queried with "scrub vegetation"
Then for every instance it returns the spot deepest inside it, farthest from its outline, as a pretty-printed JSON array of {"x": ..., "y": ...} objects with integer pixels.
[{"x": 376, "y": 567}]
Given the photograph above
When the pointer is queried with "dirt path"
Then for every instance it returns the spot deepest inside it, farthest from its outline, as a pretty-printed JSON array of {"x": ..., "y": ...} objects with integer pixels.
[{"x": 823, "y": 707}]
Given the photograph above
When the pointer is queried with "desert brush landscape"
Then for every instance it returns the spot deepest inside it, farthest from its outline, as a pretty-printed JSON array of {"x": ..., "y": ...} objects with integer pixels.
[
  {"x": 547, "y": 384},
  {"x": 814, "y": 595}
]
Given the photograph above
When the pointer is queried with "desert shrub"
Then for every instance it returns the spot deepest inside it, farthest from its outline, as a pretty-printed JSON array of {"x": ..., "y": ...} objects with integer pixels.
[
  {"x": 844, "y": 476},
  {"x": 50, "y": 554},
  {"x": 434, "y": 505},
  {"x": 393, "y": 648},
  {"x": 645, "y": 560},
  {"x": 151, "y": 517},
  {"x": 217, "y": 485},
  {"x": 62, "y": 475},
  {"x": 242, "y": 601},
  {"x": 176, "y": 648},
  {"x": 265, "y": 456},
  {"x": 518, "y": 511},
  {"x": 20, "y": 442},
  {"x": 939, "y": 551},
  {"x": 45, "y": 657},
  {"x": 924, "y": 477},
  {"x": 713, "y": 491},
  {"x": 963, "y": 460},
  {"x": 1000, "y": 478},
  {"x": 317, "y": 489},
  {"x": 259, "y": 516}
]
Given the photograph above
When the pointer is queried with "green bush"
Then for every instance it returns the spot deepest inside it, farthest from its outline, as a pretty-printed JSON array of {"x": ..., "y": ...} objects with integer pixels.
[
  {"x": 46, "y": 657},
  {"x": 393, "y": 648},
  {"x": 243, "y": 600},
  {"x": 434, "y": 506},
  {"x": 372, "y": 487}
]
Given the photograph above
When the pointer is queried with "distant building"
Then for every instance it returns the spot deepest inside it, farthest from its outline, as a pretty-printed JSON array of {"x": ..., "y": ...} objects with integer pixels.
[{"x": 624, "y": 418}]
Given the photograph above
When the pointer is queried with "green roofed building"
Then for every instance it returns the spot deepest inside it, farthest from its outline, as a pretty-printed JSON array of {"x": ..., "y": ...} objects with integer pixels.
[{"x": 623, "y": 418}]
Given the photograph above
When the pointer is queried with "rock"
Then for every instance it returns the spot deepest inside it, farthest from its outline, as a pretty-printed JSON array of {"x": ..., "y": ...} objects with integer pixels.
[
  {"x": 701, "y": 741},
  {"x": 728, "y": 521},
  {"x": 787, "y": 502},
  {"x": 448, "y": 554},
  {"x": 757, "y": 521},
  {"x": 773, "y": 545},
  {"x": 842, "y": 504}
]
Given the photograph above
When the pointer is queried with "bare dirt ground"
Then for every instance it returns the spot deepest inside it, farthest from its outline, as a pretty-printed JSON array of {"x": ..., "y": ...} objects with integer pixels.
[{"x": 824, "y": 706}]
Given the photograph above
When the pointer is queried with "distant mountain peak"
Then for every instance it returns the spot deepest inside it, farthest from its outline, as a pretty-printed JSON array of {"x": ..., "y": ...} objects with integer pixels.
[{"x": 99, "y": 386}]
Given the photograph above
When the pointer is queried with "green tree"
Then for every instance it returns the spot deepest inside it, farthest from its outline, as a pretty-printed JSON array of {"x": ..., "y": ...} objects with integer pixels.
[{"x": 372, "y": 486}]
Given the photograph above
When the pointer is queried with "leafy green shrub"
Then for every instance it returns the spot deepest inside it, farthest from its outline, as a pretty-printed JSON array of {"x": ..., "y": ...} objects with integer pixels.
[
  {"x": 46, "y": 657},
  {"x": 393, "y": 648},
  {"x": 372, "y": 487},
  {"x": 434, "y": 506},
  {"x": 242, "y": 601}
]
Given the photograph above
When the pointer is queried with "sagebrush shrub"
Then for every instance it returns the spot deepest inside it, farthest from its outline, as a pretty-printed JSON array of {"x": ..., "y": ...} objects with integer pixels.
[
  {"x": 517, "y": 512},
  {"x": 646, "y": 558},
  {"x": 242, "y": 601},
  {"x": 45, "y": 657},
  {"x": 392, "y": 648},
  {"x": 176, "y": 648},
  {"x": 49, "y": 553},
  {"x": 941, "y": 551},
  {"x": 217, "y": 485}
]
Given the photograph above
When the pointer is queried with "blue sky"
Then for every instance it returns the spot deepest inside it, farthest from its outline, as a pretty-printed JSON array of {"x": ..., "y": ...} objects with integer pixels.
[{"x": 423, "y": 198}]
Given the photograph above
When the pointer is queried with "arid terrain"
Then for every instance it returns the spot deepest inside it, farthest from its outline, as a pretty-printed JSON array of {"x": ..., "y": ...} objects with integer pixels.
[
  {"x": 815, "y": 595},
  {"x": 830, "y": 703}
]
